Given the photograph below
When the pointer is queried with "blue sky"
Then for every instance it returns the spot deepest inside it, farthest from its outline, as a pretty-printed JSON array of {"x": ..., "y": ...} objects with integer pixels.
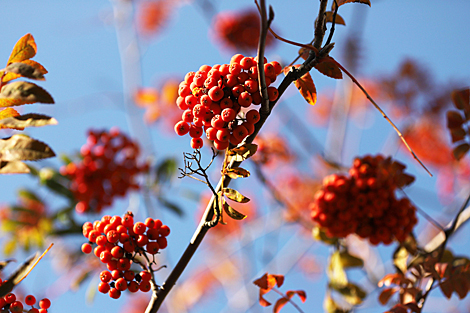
[{"x": 78, "y": 45}]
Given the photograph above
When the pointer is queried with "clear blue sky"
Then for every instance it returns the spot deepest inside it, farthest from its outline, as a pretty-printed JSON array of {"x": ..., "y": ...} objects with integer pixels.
[{"x": 77, "y": 44}]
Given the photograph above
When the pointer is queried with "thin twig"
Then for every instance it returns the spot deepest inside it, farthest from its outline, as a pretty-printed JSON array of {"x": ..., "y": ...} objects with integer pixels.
[
  {"x": 382, "y": 112},
  {"x": 332, "y": 29}
]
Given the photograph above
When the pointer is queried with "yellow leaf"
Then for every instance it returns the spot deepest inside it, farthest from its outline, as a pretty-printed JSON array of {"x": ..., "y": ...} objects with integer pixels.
[
  {"x": 243, "y": 152},
  {"x": 6, "y": 113},
  {"x": 234, "y": 195},
  {"x": 236, "y": 172},
  {"x": 233, "y": 213},
  {"x": 24, "y": 49},
  {"x": 338, "y": 19}
]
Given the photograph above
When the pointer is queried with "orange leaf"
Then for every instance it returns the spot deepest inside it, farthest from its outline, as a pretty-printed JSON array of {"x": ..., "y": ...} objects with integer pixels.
[
  {"x": 8, "y": 112},
  {"x": 386, "y": 294},
  {"x": 145, "y": 97},
  {"x": 341, "y": 2},
  {"x": 338, "y": 19},
  {"x": 301, "y": 293},
  {"x": 306, "y": 86},
  {"x": 24, "y": 49},
  {"x": 329, "y": 68},
  {"x": 279, "y": 305},
  {"x": 268, "y": 281},
  {"x": 38, "y": 71}
]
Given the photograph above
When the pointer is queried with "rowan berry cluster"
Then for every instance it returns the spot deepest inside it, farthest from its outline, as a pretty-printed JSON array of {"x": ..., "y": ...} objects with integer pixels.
[
  {"x": 240, "y": 30},
  {"x": 213, "y": 98},
  {"x": 10, "y": 303},
  {"x": 118, "y": 240},
  {"x": 108, "y": 169},
  {"x": 365, "y": 203}
]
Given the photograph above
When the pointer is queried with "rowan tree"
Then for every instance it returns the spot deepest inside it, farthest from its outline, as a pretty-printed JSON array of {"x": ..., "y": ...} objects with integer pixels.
[{"x": 275, "y": 207}]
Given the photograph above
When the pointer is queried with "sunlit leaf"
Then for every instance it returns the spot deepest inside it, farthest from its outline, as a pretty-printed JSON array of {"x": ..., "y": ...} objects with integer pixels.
[
  {"x": 306, "y": 88},
  {"x": 460, "y": 151},
  {"x": 280, "y": 303},
  {"x": 22, "y": 147},
  {"x": 8, "y": 113},
  {"x": 145, "y": 97},
  {"x": 13, "y": 167},
  {"x": 352, "y": 293},
  {"x": 268, "y": 281},
  {"x": 39, "y": 71},
  {"x": 236, "y": 172},
  {"x": 347, "y": 260},
  {"x": 331, "y": 306},
  {"x": 302, "y": 295},
  {"x": 26, "y": 70},
  {"x": 338, "y": 19},
  {"x": 336, "y": 271},
  {"x": 233, "y": 213},
  {"x": 234, "y": 195},
  {"x": 20, "y": 92},
  {"x": 243, "y": 152},
  {"x": 329, "y": 69},
  {"x": 27, "y": 120},
  {"x": 24, "y": 49},
  {"x": 400, "y": 258}
]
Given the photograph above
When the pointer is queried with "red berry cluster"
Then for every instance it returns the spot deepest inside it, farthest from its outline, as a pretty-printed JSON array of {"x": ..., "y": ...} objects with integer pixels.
[
  {"x": 10, "y": 303},
  {"x": 364, "y": 202},
  {"x": 213, "y": 97},
  {"x": 240, "y": 30},
  {"x": 117, "y": 241},
  {"x": 107, "y": 170}
]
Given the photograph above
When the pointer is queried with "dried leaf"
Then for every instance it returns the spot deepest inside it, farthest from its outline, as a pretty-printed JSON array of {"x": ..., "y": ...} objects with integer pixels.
[
  {"x": 22, "y": 147},
  {"x": 233, "y": 213},
  {"x": 13, "y": 167},
  {"x": 303, "y": 52},
  {"x": 235, "y": 172},
  {"x": 25, "y": 70},
  {"x": 386, "y": 294},
  {"x": 24, "y": 49},
  {"x": 329, "y": 68},
  {"x": 243, "y": 152},
  {"x": 461, "y": 99},
  {"x": 454, "y": 119},
  {"x": 27, "y": 120},
  {"x": 38, "y": 70},
  {"x": 338, "y": 19},
  {"x": 460, "y": 286},
  {"x": 460, "y": 151},
  {"x": 392, "y": 279},
  {"x": 457, "y": 134},
  {"x": 234, "y": 195},
  {"x": 18, "y": 93},
  {"x": 341, "y": 2},
  {"x": 446, "y": 288},
  {"x": 268, "y": 281},
  {"x": 302, "y": 295}
]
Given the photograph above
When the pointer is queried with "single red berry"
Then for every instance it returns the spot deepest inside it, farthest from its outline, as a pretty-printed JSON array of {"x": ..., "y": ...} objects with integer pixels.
[
  {"x": 228, "y": 114},
  {"x": 220, "y": 145},
  {"x": 145, "y": 276},
  {"x": 236, "y": 58},
  {"x": 105, "y": 276},
  {"x": 105, "y": 256},
  {"x": 30, "y": 300},
  {"x": 164, "y": 230},
  {"x": 121, "y": 284},
  {"x": 247, "y": 62},
  {"x": 103, "y": 287},
  {"x": 149, "y": 222},
  {"x": 181, "y": 128},
  {"x": 153, "y": 233},
  {"x": 162, "y": 242},
  {"x": 117, "y": 252},
  {"x": 129, "y": 275},
  {"x": 196, "y": 143},
  {"x": 252, "y": 116},
  {"x": 133, "y": 286},
  {"x": 45, "y": 303},
  {"x": 194, "y": 132},
  {"x": 223, "y": 135},
  {"x": 272, "y": 93},
  {"x": 240, "y": 132},
  {"x": 86, "y": 248},
  {"x": 152, "y": 247},
  {"x": 114, "y": 293},
  {"x": 33, "y": 310},
  {"x": 211, "y": 133},
  {"x": 145, "y": 286},
  {"x": 216, "y": 93},
  {"x": 217, "y": 122},
  {"x": 16, "y": 306},
  {"x": 205, "y": 100},
  {"x": 116, "y": 274},
  {"x": 142, "y": 240},
  {"x": 10, "y": 298},
  {"x": 139, "y": 228}
]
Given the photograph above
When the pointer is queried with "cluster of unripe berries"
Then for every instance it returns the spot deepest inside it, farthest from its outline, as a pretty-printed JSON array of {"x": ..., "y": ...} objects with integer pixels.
[
  {"x": 365, "y": 203},
  {"x": 107, "y": 170},
  {"x": 117, "y": 241},
  {"x": 216, "y": 100},
  {"x": 240, "y": 30},
  {"x": 10, "y": 303}
]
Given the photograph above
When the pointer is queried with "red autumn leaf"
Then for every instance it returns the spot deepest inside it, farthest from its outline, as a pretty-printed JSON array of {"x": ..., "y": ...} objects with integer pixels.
[
  {"x": 446, "y": 288},
  {"x": 266, "y": 283},
  {"x": 460, "y": 151},
  {"x": 460, "y": 286},
  {"x": 279, "y": 305},
  {"x": 329, "y": 68},
  {"x": 24, "y": 49},
  {"x": 391, "y": 279}
]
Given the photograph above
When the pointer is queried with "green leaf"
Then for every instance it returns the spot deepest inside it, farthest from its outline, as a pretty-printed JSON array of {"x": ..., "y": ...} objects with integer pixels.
[
  {"x": 22, "y": 147},
  {"x": 166, "y": 170},
  {"x": 243, "y": 152},
  {"x": 234, "y": 195},
  {"x": 171, "y": 206},
  {"x": 236, "y": 172},
  {"x": 233, "y": 213},
  {"x": 28, "y": 120}
]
